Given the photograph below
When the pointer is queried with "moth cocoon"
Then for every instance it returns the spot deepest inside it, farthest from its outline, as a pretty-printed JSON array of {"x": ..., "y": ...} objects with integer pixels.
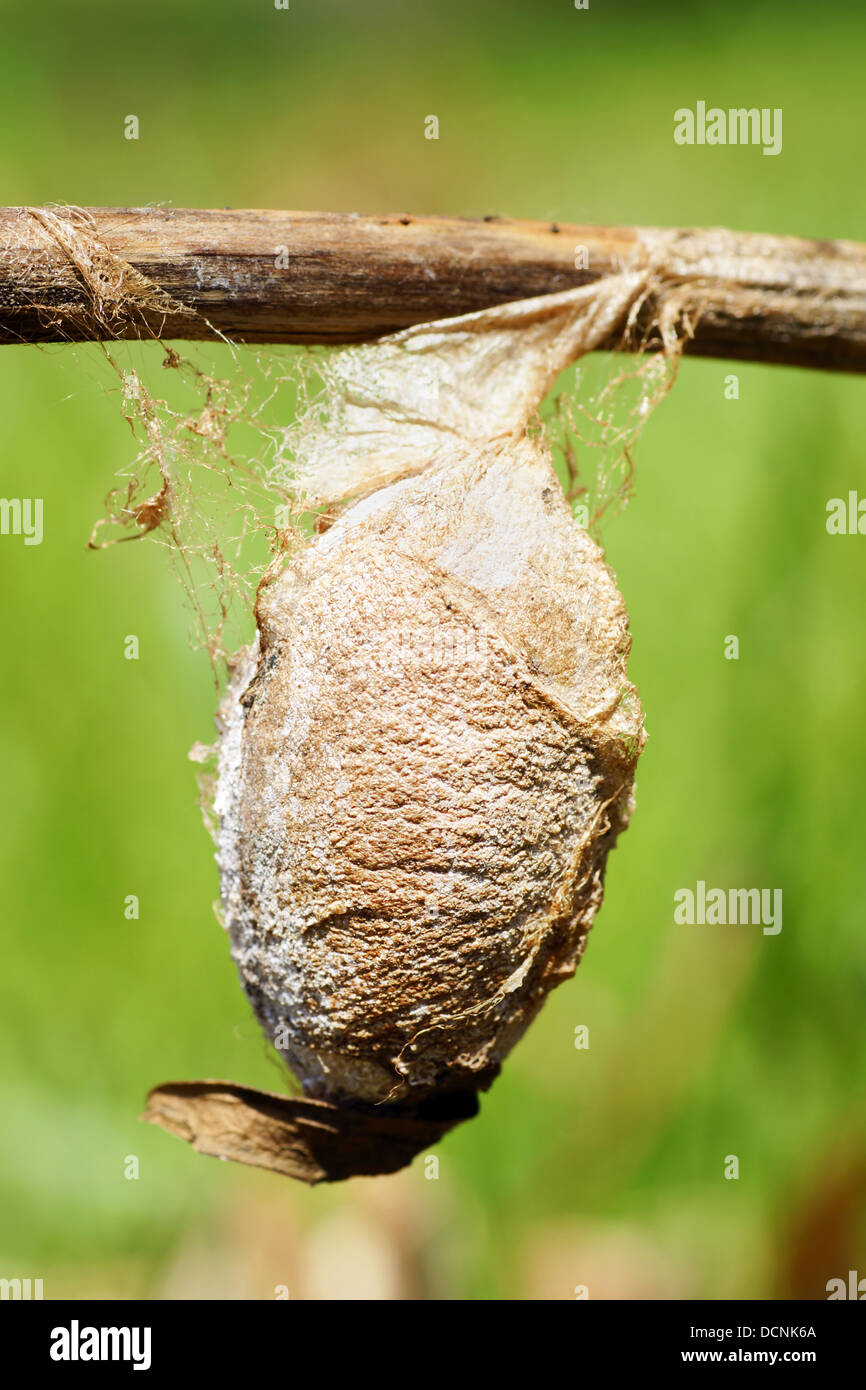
[
  {"x": 424, "y": 763},
  {"x": 429, "y": 751}
]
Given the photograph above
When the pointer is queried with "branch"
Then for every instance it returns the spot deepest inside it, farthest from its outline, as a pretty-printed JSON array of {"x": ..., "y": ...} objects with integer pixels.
[{"x": 69, "y": 274}]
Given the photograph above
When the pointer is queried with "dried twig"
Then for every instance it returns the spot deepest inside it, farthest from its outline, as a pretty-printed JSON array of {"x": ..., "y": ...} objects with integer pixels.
[{"x": 263, "y": 276}]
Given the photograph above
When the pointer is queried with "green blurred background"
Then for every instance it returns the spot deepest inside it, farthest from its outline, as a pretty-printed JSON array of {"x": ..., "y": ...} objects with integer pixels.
[{"x": 603, "y": 1167}]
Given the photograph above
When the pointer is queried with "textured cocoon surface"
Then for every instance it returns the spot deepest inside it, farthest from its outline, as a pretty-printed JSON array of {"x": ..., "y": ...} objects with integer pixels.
[{"x": 429, "y": 751}]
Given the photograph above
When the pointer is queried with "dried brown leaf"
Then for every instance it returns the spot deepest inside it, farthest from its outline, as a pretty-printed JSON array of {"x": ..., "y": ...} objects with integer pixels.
[{"x": 311, "y": 1140}]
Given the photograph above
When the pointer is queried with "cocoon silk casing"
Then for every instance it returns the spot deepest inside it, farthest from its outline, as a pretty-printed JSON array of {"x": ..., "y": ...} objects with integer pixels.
[{"x": 430, "y": 749}]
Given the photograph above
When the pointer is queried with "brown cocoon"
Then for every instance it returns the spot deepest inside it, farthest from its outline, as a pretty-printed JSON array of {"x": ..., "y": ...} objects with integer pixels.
[
  {"x": 428, "y": 752},
  {"x": 424, "y": 766}
]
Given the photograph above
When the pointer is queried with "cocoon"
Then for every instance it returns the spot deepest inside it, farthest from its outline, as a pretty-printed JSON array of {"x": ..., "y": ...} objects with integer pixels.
[
  {"x": 427, "y": 753},
  {"x": 425, "y": 758}
]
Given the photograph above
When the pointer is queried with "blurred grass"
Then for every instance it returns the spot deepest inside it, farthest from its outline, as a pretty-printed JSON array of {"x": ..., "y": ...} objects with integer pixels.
[{"x": 601, "y": 1167}]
